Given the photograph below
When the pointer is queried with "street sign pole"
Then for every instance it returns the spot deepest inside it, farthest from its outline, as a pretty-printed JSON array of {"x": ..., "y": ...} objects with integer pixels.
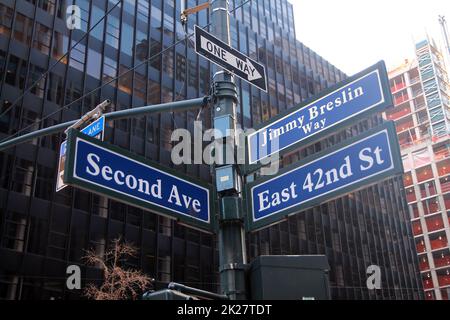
[{"x": 231, "y": 235}]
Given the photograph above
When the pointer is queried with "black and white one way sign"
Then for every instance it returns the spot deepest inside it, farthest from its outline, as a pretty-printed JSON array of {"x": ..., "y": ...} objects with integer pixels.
[{"x": 230, "y": 59}]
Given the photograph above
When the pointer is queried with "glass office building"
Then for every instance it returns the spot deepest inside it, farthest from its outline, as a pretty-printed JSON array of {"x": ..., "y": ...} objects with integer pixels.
[{"x": 42, "y": 232}]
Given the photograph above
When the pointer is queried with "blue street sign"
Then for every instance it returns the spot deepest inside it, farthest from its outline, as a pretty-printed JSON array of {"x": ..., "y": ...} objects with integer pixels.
[
  {"x": 95, "y": 129},
  {"x": 341, "y": 105},
  {"x": 115, "y": 173},
  {"x": 356, "y": 163}
]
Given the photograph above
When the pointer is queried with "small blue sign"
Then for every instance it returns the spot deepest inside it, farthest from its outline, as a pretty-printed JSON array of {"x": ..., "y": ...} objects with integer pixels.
[
  {"x": 63, "y": 148},
  {"x": 358, "y": 164},
  {"x": 95, "y": 128},
  {"x": 104, "y": 170},
  {"x": 367, "y": 91}
]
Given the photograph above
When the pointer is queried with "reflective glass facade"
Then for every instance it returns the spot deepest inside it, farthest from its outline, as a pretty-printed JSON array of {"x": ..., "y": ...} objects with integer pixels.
[{"x": 41, "y": 232}]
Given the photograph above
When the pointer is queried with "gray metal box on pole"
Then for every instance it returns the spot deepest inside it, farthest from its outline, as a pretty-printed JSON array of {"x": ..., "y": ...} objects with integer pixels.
[{"x": 289, "y": 278}]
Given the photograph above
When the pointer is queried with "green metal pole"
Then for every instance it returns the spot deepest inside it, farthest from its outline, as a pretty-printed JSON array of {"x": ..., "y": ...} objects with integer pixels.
[
  {"x": 231, "y": 237},
  {"x": 127, "y": 113}
]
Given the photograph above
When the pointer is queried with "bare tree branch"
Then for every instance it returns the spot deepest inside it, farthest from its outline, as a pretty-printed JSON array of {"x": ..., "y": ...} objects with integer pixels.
[{"x": 118, "y": 283}]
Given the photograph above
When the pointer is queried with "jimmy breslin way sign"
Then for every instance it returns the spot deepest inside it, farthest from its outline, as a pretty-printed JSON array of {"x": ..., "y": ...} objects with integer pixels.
[
  {"x": 343, "y": 104},
  {"x": 355, "y": 163},
  {"x": 230, "y": 59},
  {"x": 116, "y": 173}
]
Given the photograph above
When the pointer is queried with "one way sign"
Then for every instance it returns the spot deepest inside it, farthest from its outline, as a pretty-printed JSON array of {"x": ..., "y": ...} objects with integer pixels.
[{"x": 230, "y": 59}]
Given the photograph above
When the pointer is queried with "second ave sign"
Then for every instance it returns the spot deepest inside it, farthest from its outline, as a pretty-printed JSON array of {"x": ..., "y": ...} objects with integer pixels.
[
  {"x": 115, "y": 173},
  {"x": 230, "y": 59}
]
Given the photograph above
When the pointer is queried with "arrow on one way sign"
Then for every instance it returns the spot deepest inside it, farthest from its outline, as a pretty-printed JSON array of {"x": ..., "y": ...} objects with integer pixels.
[{"x": 229, "y": 58}]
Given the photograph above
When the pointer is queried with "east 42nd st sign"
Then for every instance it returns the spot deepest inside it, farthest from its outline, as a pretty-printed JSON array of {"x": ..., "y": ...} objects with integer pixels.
[{"x": 358, "y": 162}]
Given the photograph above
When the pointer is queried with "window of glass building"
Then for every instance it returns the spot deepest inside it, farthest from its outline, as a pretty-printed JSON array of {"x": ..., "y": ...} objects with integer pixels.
[
  {"x": 434, "y": 223},
  {"x": 143, "y": 10},
  {"x": 77, "y": 56},
  {"x": 16, "y": 72},
  {"x": 445, "y": 184},
  {"x": 129, "y": 5},
  {"x": 427, "y": 280},
  {"x": 443, "y": 276},
  {"x": 420, "y": 245},
  {"x": 436, "y": 115},
  {"x": 84, "y": 13},
  {"x": 125, "y": 80},
  {"x": 407, "y": 179},
  {"x": 443, "y": 167},
  {"x": 60, "y": 44},
  {"x": 429, "y": 295},
  {"x": 441, "y": 258},
  {"x": 141, "y": 48},
  {"x": 6, "y": 16},
  {"x": 427, "y": 189},
  {"x": 440, "y": 129},
  {"x": 140, "y": 84},
  {"x": 421, "y": 158},
  {"x": 155, "y": 49},
  {"x": 94, "y": 63},
  {"x": 433, "y": 100},
  {"x": 438, "y": 240},
  {"x": 447, "y": 201},
  {"x": 424, "y": 173},
  {"x": 427, "y": 72},
  {"x": 410, "y": 194},
  {"x": 423, "y": 262},
  {"x": 112, "y": 31},
  {"x": 46, "y": 5},
  {"x": 431, "y": 206},
  {"x": 168, "y": 63},
  {"x": 42, "y": 38},
  {"x": 35, "y": 75},
  {"x": 109, "y": 69},
  {"x": 441, "y": 151},
  {"x": 23, "y": 27},
  {"x": 15, "y": 229},
  {"x": 422, "y": 117},
  {"x": 430, "y": 86},
  {"x": 126, "y": 40},
  {"x": 417, "y": 228},
  {"x": 96, "y": 17}
]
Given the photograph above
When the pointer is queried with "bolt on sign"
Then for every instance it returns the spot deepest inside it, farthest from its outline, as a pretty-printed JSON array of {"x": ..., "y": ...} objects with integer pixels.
[
  {"x": 110, "y": 171},
  {"x": 356, "y": 163}
]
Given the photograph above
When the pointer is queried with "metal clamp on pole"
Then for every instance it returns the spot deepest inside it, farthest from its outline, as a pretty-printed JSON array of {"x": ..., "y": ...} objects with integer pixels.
[
  {"x": 196, "y": 292},
  {"x": 94, "y": 114}
]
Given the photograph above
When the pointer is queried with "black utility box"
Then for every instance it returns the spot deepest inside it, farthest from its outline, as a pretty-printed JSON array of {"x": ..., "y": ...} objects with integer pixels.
[{"x": 289, "y": 278}]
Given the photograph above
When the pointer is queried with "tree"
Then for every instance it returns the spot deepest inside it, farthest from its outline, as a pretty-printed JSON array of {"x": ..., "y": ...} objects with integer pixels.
[{"x": 118, "y": 283}]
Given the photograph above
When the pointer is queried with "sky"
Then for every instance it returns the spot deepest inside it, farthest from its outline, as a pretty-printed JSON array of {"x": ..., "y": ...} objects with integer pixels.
[{"x": 354, "y": 34}]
